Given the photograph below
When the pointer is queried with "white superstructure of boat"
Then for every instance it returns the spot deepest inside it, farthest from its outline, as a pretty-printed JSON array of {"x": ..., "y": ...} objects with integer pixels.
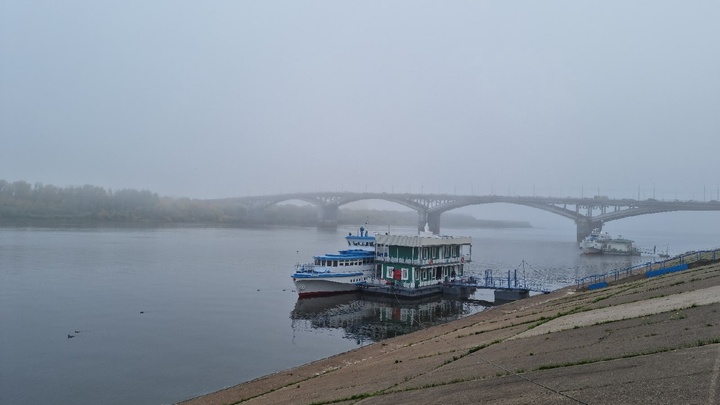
[
  {"x": 602, "y": 243},
  {"x": 621, "y": 246},
  {"x": 594, "y": 243}
]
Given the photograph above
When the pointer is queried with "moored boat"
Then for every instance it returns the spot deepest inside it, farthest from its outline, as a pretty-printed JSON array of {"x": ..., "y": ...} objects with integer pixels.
[
  {"x": 602, "y": 243},
  {"x": 594, "y": 244},
  {"x": 340, "y": 272},
  {"x": 421, "y": 265},
  {"x": 621, "y": 246}
]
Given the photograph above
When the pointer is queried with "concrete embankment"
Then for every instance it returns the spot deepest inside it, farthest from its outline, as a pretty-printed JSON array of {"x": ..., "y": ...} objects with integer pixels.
[{"x": 638, "y": 341}]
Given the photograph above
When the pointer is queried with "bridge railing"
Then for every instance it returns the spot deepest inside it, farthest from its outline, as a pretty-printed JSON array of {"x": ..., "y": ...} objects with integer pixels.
[{"x": 614, "y": 275}]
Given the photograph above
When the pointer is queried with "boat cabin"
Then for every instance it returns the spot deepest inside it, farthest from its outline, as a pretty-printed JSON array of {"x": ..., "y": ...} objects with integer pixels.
[
  {"x": 362, "y": 240},
  {"x": 420, "y": 261},
  {"x": 346, "y": 258}
]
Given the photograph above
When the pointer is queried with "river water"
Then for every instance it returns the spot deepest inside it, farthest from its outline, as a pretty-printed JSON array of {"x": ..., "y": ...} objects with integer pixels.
[{"x": 162, "y": 315}]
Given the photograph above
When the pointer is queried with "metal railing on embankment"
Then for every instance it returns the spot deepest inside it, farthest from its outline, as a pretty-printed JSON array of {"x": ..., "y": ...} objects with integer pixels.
[{"x": 674, "y": 263}]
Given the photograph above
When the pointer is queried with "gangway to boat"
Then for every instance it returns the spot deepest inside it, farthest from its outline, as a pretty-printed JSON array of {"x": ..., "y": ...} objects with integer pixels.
[{"x": 510, "y": 281}]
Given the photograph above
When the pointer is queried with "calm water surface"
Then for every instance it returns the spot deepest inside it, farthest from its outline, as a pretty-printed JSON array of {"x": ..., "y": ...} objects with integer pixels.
[{"x": 163, "y": 315}]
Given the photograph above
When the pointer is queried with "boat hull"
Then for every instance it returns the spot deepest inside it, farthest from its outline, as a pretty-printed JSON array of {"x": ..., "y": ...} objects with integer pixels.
[
  {"x": 634, "y": 252},
  {"x": 317, "y": 286}
]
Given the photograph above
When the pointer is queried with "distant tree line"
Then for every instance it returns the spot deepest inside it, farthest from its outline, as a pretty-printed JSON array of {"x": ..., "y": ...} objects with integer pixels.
[{"x": 23, "y": 203}]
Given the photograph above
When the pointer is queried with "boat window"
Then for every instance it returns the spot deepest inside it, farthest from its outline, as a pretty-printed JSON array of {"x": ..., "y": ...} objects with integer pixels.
[{"x": 335, "y": 263}]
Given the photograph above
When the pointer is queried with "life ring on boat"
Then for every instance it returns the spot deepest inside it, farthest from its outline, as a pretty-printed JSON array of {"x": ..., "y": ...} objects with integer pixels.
[
  {"x": 462, "y": 259},
  {"x": 430, "y": 261}
]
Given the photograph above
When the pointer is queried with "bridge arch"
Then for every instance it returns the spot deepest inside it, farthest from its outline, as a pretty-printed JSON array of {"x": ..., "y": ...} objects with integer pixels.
[{"x": 598, "y": 210}]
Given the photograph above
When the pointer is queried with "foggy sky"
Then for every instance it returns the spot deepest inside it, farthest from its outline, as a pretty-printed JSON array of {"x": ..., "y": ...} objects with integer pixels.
[{"x": 236, "y": 98}]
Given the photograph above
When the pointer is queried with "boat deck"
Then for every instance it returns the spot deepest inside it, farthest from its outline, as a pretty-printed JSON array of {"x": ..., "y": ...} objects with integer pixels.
[{"x": 452, "y": 288}]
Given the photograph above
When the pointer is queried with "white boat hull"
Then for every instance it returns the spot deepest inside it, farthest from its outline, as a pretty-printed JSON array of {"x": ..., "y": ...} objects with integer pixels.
[
  {"x": 318, "y": 284},
  {"x": 592, "y": 250}
]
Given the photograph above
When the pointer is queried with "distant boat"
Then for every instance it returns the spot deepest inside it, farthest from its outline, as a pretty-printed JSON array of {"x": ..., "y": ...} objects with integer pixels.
[
  {"x": 594, "y": 243},
  {"x": 662, "y": 255},
  {"x": 621, "y": 246},
  {"x": 602, "y": 243}
]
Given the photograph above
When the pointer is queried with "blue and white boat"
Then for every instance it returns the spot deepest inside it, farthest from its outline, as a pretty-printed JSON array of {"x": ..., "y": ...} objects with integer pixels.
[{"x": 340, "y": 272}]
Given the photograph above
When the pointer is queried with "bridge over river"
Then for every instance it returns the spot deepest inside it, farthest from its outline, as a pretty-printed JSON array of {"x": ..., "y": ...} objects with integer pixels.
[{"x": 587, "y": 213}]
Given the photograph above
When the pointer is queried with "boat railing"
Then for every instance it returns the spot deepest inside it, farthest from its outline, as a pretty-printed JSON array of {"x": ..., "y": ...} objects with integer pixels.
[
  {"x": 423, "y": 262},
  {"x": 304, "y": 268}
]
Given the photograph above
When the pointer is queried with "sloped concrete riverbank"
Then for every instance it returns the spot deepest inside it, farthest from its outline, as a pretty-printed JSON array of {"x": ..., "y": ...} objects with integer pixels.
[{"x": 638, "y": 341}]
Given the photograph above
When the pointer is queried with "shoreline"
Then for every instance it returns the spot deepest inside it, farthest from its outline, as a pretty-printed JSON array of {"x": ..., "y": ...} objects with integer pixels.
[{"x": 613, "y": 345}]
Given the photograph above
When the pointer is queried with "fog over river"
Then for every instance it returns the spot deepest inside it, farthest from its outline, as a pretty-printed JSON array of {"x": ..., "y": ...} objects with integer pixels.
[{"x": 161, "y": 315}]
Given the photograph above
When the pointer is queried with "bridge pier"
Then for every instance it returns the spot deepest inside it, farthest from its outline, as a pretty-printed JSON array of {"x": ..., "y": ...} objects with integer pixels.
[
  {"x": 327, "y": 216},
  {"x": 585, "y": 227},
  {"x": 256, "y": 215},
  {"x": 432, "y": 219}
]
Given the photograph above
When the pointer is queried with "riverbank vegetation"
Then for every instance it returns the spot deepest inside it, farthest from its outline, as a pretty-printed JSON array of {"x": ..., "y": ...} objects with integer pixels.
[{"x": 46, "y": 205}]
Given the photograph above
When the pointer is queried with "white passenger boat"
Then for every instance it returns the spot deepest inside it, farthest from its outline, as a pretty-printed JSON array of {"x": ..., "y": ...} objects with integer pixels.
[
  {"x": 602, "y": 243},
  {"x": 339, "y": 272},
  {"x": 594, "y": 244}
]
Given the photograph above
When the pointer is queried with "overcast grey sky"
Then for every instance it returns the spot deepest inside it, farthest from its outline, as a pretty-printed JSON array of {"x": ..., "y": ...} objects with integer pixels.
[{"x": 232, "y": 98}]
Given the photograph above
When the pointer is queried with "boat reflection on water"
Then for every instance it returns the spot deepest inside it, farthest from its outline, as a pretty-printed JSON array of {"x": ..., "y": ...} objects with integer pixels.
[{"x": 369, "y": 318}]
